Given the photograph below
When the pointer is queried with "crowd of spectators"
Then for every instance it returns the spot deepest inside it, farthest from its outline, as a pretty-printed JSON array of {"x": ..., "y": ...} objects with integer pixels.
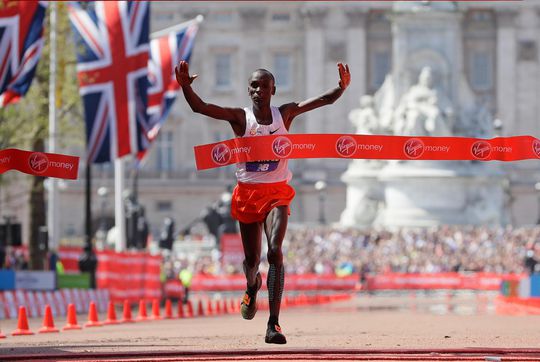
[{"x": 327, "y": 250}]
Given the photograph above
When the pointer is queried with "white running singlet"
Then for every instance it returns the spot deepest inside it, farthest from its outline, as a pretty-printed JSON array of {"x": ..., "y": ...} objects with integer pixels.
[{"x": 267, "y": 171}]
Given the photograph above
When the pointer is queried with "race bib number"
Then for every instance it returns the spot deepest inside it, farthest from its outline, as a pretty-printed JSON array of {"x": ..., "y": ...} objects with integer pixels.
[{"x": 261, "y": 166}]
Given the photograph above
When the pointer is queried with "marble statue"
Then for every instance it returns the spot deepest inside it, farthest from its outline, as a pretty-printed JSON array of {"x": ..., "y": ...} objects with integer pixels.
[
  {"x": 423, "y": 111},
  {"x": 365, "y": 118}
]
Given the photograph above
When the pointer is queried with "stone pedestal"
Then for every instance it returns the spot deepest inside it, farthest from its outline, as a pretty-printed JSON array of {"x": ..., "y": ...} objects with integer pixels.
[
  {"x": 436, "y": 193},
  {"x": 364, "y": 193}
]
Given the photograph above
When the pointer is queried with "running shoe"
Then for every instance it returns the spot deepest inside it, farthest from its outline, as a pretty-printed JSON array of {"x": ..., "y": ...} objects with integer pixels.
[
  {"x": 274, "y": 334},
  {"x": 249, "y": 302}
]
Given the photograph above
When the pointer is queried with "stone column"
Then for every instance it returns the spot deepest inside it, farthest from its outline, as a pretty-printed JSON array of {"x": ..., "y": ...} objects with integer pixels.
[
  {"x": 506, "y": 67},
  {"x": 253, "y": 26},
  {"x": 314, "y": 64},
  {"x": 356, "y": 53}
]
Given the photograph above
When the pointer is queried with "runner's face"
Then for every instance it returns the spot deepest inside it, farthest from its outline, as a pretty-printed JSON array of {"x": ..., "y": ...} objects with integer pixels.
[{"x": 261, "y": 88}]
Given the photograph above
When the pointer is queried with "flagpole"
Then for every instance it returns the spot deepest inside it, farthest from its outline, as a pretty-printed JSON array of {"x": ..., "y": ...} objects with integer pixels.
[
  {"x": 119, "y": 212},
  {"x": 52, "y": 207},
  {"x": 199, "y": 18}
]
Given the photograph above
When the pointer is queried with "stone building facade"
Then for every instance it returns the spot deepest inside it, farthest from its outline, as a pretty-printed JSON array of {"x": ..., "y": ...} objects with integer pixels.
[{"x": 301, "y": 42}]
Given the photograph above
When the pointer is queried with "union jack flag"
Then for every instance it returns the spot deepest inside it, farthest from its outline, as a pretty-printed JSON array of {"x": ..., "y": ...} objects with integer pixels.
[
  {"x": 111, "y": 40},
  {"x": 21, "y": 43},
  {"x": 165, "y": 53}
]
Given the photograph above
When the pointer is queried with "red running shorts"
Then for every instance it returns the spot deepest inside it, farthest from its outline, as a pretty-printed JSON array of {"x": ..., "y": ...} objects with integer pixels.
[{"x": 252, "y": 202}]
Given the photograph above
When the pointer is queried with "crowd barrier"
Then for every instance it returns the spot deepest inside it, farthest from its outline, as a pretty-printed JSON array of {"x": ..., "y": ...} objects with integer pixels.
[
  {"x": 58, "y": 300},
  {"x": 389, "y": 281}
]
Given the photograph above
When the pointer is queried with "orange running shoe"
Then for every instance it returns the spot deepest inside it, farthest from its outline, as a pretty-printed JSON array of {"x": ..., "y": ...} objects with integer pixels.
[
  {"x": 248, "y": 307},
  {"x": 274, "y": 334}
]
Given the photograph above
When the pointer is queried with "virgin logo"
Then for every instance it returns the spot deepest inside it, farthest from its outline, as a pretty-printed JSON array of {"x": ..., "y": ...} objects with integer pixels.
[
  {"x": 38, "y": 162},
  {"x": 413, "y": 148},
  {"x": 221, "y": 154},
  {"x": 536, "y": 148},
  {"x": 282, "y": 147},
  {"x": 346, "y": 146},
  {"x": 481, "y": 150}
]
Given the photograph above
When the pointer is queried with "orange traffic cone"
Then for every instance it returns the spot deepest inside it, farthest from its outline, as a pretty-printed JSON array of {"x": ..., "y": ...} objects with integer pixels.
[
  {"x": 48, "y": 322},
  {"x": 200, "y": 310},
  {"x": 93, "y": 317},
  {"x": 127, "y": 312},
  {"x": 168, "y": 309},
  {"x": 189, "y": 313},
  {"x": 233, "y": 305},
  {"x": 181, "y": 310},
  {"x": 22, "y": 325},
  {"x": 71, "y": 318},
  {"x": 226, "y": 309},
  {"x": 155, "y": 309},
  {"x": 2, "y": 335},
  {"x": 209, "y": 309},
  {"x": 142, "y": 311},
  {"x": 218, "y": 307},
  {"x": 111, "y": 314}
]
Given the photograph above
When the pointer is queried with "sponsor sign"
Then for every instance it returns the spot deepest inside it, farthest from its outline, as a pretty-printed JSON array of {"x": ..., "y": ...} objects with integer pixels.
[
  {"x": 282, "y": 147},
  {"x": 536, "y": 148},
  {"x": 221, "y": 154},
  {"x": 38, "y": 162},
  {"x": 35, "y": 280},
  {"x": 413, "y": 148},
  {"x": 346, "y": 146},
  {"x": 481, "y": 150}
]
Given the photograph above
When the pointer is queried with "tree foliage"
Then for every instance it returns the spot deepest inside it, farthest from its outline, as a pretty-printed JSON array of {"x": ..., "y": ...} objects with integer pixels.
[{"x": 25, "y": 125}]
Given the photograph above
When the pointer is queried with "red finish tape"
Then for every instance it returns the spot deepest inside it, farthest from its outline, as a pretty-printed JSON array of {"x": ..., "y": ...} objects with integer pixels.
[
  {"x": 39, "y": 163},
  {"x": 365, "y": 147}
]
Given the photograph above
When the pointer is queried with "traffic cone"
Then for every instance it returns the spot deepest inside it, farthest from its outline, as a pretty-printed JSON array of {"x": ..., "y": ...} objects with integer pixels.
[
  {"x": 181, "y": 313},
  {"x": 48, "y": 322},
  {"x": 127, "y": 312},
  {"x": 233, "y": 305},
  {"x": 2, "y": 335},
  {"x": 168, "y": 309},
  {"x": 71, "y": 318},
  {"x": 111, "y": 314},
  {"x": 226, "y": 309},
  {"x": 155, "y": 309},
  {"x": 200, "y": 310},
  {"x": 142, "y": 311},
  {"x": 189, "y": 313},
  {"x": 22, "y": 325},
  {"x": 218, "y": 307},
  {"x": 93, "y": 317},
  {"x": 209, "y": 309}
]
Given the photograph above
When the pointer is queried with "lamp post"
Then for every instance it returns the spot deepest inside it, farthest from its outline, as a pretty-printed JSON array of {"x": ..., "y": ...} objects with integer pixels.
[
  {"x": 537, "y": 188},
  {"x": 320, "y": 186}
]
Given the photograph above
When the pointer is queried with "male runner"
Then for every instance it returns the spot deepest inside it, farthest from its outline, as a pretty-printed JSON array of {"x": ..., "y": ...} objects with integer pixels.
[{"x": 262, "y": 196}]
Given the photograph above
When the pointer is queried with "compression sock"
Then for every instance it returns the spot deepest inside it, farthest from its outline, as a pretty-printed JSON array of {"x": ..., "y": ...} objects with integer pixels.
[{"x": 275, "y": 282}]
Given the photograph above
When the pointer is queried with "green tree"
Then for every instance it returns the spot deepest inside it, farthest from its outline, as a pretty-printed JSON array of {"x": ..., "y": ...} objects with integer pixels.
[{"x": 25, "y": 125}]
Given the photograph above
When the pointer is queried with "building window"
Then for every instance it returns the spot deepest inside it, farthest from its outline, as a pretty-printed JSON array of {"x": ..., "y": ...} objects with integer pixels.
[
  {"x": 281, "y": 17},
  {"x": 481, "y": 67},
  {"x": 224, "y": 17},
  {"x": 165, "y": 151},
  {"x": 380, "y": 68},
  {"x": 163, "y": 206},
  {"x": 283, "y": 71},
  {"x": 223, "y": 71}
]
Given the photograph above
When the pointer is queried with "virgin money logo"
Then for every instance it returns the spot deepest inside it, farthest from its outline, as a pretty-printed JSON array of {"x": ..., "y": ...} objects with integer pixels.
[
  {"x": 282, "y": 147},
  {"x": 221, "y": 154},
  {"x": 346, "y": 146},
  {"x": 38, "y": 162},
  {"x": 413, "y": 148},
  {"x": 536, "y": 148},
  {"x": 481, "y": 150}
]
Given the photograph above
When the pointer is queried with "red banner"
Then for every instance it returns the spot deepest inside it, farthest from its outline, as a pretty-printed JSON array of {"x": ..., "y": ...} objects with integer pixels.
[
  {"x": 232, "y": 251},
  {"x": 365, "y": 147},
  {"x": 131, "y": 276},
  {"x": 39, "y": 163},
  {"x": 474, "y": 281}
]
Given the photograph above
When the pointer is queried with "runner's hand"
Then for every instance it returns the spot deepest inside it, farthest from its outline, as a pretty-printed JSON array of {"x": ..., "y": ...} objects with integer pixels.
[
  {"x": 344, "y": 76},
  {"x": 182, "y": 74}
]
